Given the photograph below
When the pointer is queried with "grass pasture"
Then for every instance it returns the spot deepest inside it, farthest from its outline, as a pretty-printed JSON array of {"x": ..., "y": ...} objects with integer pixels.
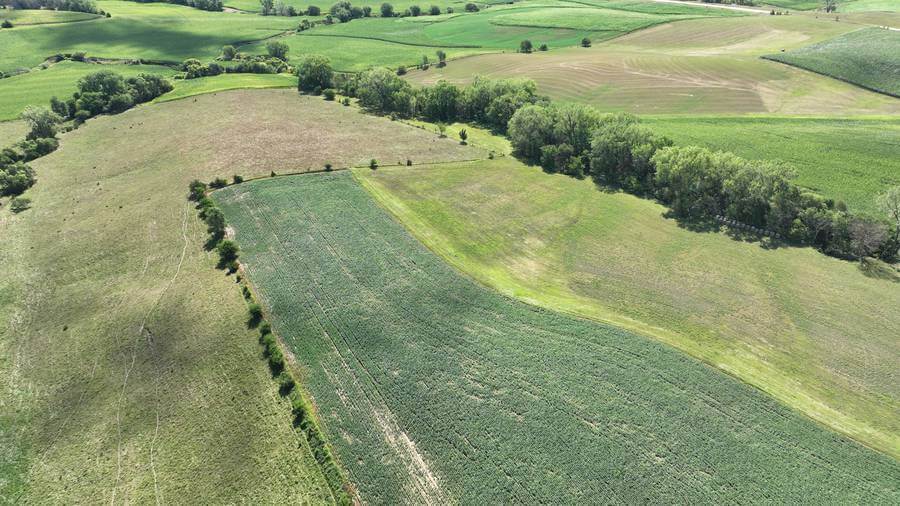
[
  {"x": 129, "y": 372},
  {"x": 869, "y": 58},
  {"x": 434, "y": 389},
  {"x": 11, "y": 132},
  {"x": 22, "y": 17},
  {"x": 60, "y": 80},
  {"x": 153, "y": 31},
  {"x": 224, "y": 82},
  {"x": 847, "y": 159},
  {"x": 811, "y": 330}
]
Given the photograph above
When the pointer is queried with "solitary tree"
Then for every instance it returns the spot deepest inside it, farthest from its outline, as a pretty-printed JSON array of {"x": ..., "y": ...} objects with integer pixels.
[
  {"x": 41, "y": 121},
  {"x": 442, "y": 58},
  {"x": 585, "y": 42},
  {"x": 525, "y": 46},
  {"x": 228, "y": 53},
  {"x": 267, "y": 6},
  {"x": 387, "y": 10},
  {"x": 434, "y": 10},
  {"x": 314, "y": 72},
  {"x": 313, "y": 10},
  {"x": 415, "y": 10},
  {"x": 277, "y": 49}
]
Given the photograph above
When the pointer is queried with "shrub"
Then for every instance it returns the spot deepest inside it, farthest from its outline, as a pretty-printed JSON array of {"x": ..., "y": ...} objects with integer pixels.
[
  {"x": 265, "y": 328},
  {"x": 387, "y": 10},
  {"x": 41, "y": 122},
  {"x": 6, "y": 24},
  {"x": 346, "y": 101},
  {"x": 373, "y": 164},
  {"x": 470, "y": 7},
  {"x": 329, "y": 94},
  {"x": 15, "y": 178},
  {"x": 255, "y": 314},
  {"x": 313, "y": 10},
  {"x": 196, "y": 189},
  {"x": 276, "y": 358},
  {"x": 401, "y": 70},
  {"x": 277, "y": 49},
  {"x": 585, "y": 42},
  {"x": 19, "y": 204},
  {"x": 218, "y": 183},
  {"x": 285, "y": 383},
  {"x": 238, "y": 179},
  {"x": 245, "y": 291},
  {"x": 434, "y": 10},
  {"x": 228, "y": 53},
  {"x": 525, "y": 46},
  {"x": 228, "y": 251},
  {"x": 415, "y": 10},
  {"x": 463, "y": 136},
  {"x": 327, "y": 167},
  {"x": 543, "y": 47}
]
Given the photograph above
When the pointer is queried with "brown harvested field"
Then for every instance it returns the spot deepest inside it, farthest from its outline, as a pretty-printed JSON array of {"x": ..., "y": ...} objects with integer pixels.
[
  {"x": 685, "y": 68},
  {"x": 126, "y": 361}
]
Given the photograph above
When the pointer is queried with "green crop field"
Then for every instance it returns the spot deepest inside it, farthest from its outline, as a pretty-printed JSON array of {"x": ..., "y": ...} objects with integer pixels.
[
  {"x": 703, "y": 66},
  {"x": 152, "y": 31},
  {"x": 41, "y": 17},
  {"x": 436, "y": 390},
  {"x": 847, "y": 159},
  {"x": 868, "y": 57},
  {"x": 809, "y": 329},
  {"x": 60, "y": 80},
  {"x": 129, "y": 373}
]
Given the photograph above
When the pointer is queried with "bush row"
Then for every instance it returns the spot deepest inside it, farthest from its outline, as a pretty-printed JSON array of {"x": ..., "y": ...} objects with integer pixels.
[
  {"x": 274, "y": 62},
  {"x": 88, "y": 6},
  {"x": 206, "y": 5},
  {"x": 16, "y": 175},
  {"x": 272, "y": 352},
  {"x": 106, "y": 92}
]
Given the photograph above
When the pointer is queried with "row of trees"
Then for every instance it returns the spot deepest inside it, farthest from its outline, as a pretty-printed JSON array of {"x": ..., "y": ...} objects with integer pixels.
[
  {"x": 58, "y": 5},
  {"x": 274, "y": 62},
  {"x": 106, "y": 92},
  {"x": 617, "y": 151},
  {"x": 697, "y": 184},
  {"x": 16, "y": 175}
]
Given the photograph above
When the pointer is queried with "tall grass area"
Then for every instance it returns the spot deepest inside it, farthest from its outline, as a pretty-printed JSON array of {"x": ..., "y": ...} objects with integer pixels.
[
  {"x": 842, "y": 158},
  {"x": 129, "y": 372},
  {"x": 869, "y": 58},
  {"x": 813, "y": 331},
  {"x": 59, "y": 80},
  {"x": 435, "y": 389}
]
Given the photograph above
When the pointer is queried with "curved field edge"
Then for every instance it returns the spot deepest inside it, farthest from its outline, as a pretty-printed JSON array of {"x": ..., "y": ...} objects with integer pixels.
[
  {"x": 457, "y": 239},
  {"x": 436, "y": 389},
  {"x": 778, "y": 59}
]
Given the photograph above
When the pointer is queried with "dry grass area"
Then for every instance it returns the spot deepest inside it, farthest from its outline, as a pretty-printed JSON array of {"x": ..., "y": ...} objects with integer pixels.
[
  {"x": 128, "y": 373},
  {"x": 704, "y": 66}
]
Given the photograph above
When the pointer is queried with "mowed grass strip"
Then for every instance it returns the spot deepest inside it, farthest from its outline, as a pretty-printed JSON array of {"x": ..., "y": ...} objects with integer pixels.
[
  {"x": 189, "y": 87},
  {"x": 811, "y": 330},
  {"x": 842, "y": 158},
  {"x": 154, "y": 31},
  {"x": 436, "y": 389},
  {"x": 105, "y": 278},
  {"x": 59, "y": 80},
  {"x": 869, "y": 58}
]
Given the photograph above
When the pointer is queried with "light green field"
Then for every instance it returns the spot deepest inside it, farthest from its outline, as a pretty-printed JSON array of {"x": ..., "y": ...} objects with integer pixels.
[
  {"x": 20, "y": 17},
  {"x": 810, "y": 330},
  {"x": 60, "y": 80},
  {"x": 436, "y": 390},
  {"x": 129, "y": 374},
  {"x": 846, "y": 159},
  {"x": 843, "y": 6},
  {"x": 223, "y": 82},
  {"x": 869, "y": 58},
  {"x": 154, "y": 31},
  {"x": 11, "y": 132},
  {"x": 701, "y": 66}
]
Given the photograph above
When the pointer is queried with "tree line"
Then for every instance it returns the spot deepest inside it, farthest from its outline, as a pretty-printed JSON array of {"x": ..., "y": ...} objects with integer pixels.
[
  {"x": 205, "y": 5},
  {"x": 88, "y": 6},
  {"x": 616, "y": 150}
]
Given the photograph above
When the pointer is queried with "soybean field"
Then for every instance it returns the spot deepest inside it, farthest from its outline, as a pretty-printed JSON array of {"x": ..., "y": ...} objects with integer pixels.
[{"x": 434, "y": 389}]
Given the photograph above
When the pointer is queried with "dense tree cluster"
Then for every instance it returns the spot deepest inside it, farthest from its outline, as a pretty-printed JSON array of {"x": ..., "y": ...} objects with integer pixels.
[
  {"x": 314, "y": 74},
  {"x": 16, "y": 175},
  {"x": 697, "y": 184},
  {"x": 58, "y": 5},
  {"x": 273, "y": 63},
  {"x": 345, "y": 11},
  {"x": 110, "y": 93}
]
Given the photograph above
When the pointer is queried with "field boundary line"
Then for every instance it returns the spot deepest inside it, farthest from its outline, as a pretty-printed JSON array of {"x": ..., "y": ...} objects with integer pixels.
[
  {"x": 364, "y": 37},
  {"x": 772, "y": 57}
]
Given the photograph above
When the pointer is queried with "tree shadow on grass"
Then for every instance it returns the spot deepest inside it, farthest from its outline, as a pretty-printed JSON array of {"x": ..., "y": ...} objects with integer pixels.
[{"x": 876, "y": 269}]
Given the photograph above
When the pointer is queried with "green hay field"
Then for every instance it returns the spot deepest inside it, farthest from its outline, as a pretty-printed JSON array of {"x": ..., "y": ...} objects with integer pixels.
[
  {"x": 43, "y": 17},
  {"x": 811, "y": 330},
  {"x": 129, "y": 372},
  {"x": 60, "y": 80},
  {"x": 434, "y": 389},
  {"x": 223, "y": 82},
  {"x": 154, "y": 31},
  {"x": 869, "y": 58},
  {"x": 847, "y": 159}
]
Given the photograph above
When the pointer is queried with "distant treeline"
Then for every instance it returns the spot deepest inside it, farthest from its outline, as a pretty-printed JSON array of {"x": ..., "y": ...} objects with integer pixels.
[
  {"x": 206, "y": 5},
  {"x": 88, "y": 6},
  {"x": 698, "y": 185}
]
